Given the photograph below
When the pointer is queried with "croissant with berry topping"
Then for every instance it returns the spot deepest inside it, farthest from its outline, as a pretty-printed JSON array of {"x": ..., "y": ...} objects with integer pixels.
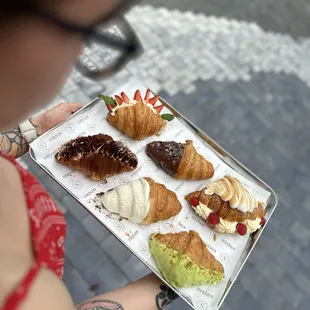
[
  {"x": 138, "y": 118},
  {"x": 228, "y": 207},
  {"x": 98, "y": 156},
  {"x": 181, "y": 160}
]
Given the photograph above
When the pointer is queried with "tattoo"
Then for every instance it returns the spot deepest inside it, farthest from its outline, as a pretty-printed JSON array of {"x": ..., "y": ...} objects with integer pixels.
[
  {"x": 165, "y": 297},
  {"x": 100, "y": 305},
  {"x": 34, "y": 125},
  {"x": 12, "y": 142}
]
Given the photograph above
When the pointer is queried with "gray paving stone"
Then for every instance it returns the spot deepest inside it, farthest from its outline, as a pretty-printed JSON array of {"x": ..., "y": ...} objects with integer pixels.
[
  {"x": 116, "y": 250},
  {"x": 304, "y": 304},
  {"x": 84, "y": 252},
  {"x": 75, "y": 232},
  {"x": 74, "y": 207},
  {"x": 77, "y": 286},
  {"x": 302, "y": 281},
  {"x": 95, "y": 228},
  {"x": 134, "y": 268},
  {"x": 112, "y": 278},
  {"x": 293, "y": 294}
]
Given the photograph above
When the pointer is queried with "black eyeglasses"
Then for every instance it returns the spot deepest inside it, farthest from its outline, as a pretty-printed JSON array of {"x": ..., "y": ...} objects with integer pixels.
[{"x": 114, "y": 33}]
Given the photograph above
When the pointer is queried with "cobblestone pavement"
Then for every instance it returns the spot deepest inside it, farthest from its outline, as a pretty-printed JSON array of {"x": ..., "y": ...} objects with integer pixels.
[{"x": 247, "y": 89}]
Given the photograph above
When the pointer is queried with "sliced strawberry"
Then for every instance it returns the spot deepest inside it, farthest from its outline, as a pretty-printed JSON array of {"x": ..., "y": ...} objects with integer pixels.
[
  {"x": 159, "y": 108},
  {"x": 262, "y": 221},
  {"x": 125, "y": 97},
  {"x": 147, "y": 95},
  {"x": 110, "y": 107},
  {"x": 137, "y": 96},
  {"x": 194, "y": 201},
  {"x": 118, "y": 99},
  {"x": 153, "y": 100}
]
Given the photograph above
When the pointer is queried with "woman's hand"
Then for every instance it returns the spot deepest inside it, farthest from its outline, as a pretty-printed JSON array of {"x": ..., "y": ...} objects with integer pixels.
[
  {"x": 54, "y": 116},
  {"x": 12, "y": 141}
]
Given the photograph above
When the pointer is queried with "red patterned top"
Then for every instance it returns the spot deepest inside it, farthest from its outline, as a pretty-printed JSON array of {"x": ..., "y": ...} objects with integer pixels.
[{"x": 48, "y": 230}]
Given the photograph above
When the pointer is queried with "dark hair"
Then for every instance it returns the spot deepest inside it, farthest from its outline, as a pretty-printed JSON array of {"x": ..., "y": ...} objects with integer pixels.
[{"x": 17, "y": 7}]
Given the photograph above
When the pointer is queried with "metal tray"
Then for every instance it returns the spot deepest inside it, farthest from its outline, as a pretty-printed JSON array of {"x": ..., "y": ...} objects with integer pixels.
[{"x": 226, "y": 158}]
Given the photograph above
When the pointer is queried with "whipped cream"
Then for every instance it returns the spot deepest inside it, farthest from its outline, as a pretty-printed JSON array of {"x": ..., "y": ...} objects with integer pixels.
[
  {"x": 130, "y": 201},
  {"x": 226, "y": 227},
  {"x": 130, "y": 104},
  {"x": 253, "y": 225},
  {"x": 230, "y": 189}
]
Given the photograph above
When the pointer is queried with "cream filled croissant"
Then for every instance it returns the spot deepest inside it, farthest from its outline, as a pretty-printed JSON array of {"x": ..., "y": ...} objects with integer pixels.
[
  {"x": 228, "y": 207},
  {"x": 141, "y": 201}
]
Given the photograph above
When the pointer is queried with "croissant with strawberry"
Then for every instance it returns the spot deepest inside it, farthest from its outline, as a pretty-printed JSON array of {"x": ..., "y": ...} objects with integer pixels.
[{"x": 137, "y": 118}]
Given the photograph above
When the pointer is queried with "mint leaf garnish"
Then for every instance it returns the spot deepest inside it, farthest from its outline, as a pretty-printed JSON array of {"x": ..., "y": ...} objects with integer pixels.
[
  {"x": 108, "y": 100},
  {"x": 168, "y": 117}
]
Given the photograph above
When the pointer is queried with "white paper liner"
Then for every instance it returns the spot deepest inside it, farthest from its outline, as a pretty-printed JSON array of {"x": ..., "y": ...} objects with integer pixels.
[{"x": 226, "y": 248}]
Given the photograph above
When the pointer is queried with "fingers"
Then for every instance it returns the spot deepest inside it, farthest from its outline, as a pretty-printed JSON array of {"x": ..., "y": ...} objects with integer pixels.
[{"x": 75, "y": 106}]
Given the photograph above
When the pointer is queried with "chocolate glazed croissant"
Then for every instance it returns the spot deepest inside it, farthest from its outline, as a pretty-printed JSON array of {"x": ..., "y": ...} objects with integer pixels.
[
  {"x": 181, "y": 160},
  {"x": 98, "y": 156}
]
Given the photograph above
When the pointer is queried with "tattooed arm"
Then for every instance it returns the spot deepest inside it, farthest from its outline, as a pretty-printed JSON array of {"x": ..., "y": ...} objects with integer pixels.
[
  {"x": 12, "y": 143},
  {"x": 148, "y": 293}
]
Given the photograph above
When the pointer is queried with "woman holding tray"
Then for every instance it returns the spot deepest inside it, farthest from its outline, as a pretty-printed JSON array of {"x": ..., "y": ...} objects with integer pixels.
[{"x": 40, "y": 42}]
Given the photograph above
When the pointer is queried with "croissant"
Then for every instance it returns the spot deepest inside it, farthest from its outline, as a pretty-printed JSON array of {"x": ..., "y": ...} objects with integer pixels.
[
  {"x": 181, "y": 160},
  {"x": 97, "y": 156},
  {"x": 138, "y": 118},
  {"x": 228, "y": 207},
  {"x": 141, "y": 201},
  {"x": 184, "y": 260}
]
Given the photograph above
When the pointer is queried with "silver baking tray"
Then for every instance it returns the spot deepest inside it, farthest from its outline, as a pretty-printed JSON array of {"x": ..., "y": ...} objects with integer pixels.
[{"x": 226, "y": 158}]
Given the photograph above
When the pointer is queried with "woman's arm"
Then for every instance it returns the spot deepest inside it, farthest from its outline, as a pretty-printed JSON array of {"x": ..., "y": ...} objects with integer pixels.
[
  {"x": 148, "y": 293},
  {"x": 12, "y": 141}
]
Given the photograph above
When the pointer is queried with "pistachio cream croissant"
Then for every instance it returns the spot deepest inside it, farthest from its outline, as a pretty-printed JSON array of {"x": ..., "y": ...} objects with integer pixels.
[
  {"x": 184, "y": 260},
  {"x": 141, "y": 201},
  {"x": 98, "y": 156},
  {"x": 181, "y": 160},
  {"x": 137, "y": 118},
  {"x": 228, "y": 207}
]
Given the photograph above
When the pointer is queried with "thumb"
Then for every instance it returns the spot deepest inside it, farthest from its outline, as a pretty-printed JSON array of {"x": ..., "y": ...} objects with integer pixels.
[{"x": 75, "y": 106}]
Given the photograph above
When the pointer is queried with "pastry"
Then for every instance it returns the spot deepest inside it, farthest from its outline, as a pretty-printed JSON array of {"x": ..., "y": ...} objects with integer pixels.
[
  {"x": 184, "y": 260},
  {"x": 228, "y": 207},
  {"x": 98, "y": 156},
  {"x": 181, "y": 160},
  {"x": 142, "y": 201},
  {"x": 137, "y": 118}
]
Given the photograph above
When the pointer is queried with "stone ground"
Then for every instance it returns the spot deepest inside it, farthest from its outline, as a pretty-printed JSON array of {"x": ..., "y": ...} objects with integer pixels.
[{"x": 249, "y": 90}]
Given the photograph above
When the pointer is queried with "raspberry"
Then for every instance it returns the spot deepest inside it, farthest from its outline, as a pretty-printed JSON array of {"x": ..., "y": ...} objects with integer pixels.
[
  {"x": 194, "y": 201},
  {"x": 213, "y": 219},
  {"x": 263, "y": 221},
  {"x": 241, "y": 229}
]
